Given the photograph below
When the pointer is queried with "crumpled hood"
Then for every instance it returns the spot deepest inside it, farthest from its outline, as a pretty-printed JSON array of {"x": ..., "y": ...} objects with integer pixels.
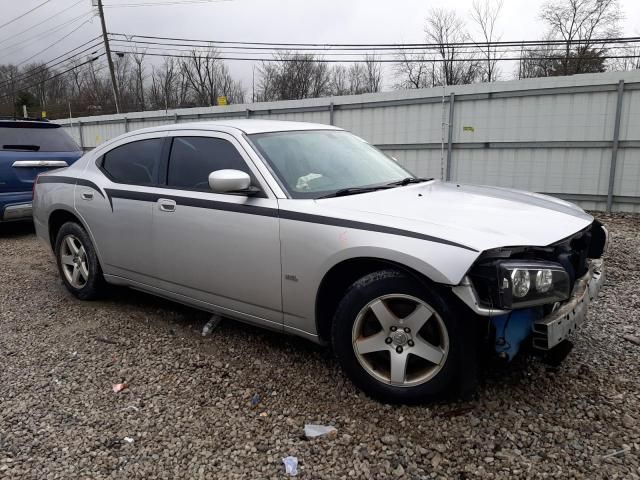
[{"x": 480, "y": 217}]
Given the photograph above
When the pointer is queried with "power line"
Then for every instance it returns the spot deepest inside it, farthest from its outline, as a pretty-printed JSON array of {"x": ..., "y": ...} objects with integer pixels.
[
  {"x": 24, "y": 14},
  {"x": 46, "y": 65},
  {"x": 389, "y": 46},
  {"x": 43, "y": 34},
  {"x": 250, "y": 50},
  {"x": 48, "y": 19},
  {"x": 384, "y": 60},
  {"x": 54, "y": 43},
  {"x": 58, "y": 74},
  {"x": 186, "y": 47}
]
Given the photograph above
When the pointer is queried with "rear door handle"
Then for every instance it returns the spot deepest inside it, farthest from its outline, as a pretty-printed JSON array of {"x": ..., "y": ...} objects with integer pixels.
[
  {"x": 87, "y": 195},
  {"x": 167, "y": 205}
]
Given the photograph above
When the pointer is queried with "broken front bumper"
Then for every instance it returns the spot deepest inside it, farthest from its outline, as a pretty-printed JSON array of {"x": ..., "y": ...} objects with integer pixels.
[{"x": 553, "y": 329}]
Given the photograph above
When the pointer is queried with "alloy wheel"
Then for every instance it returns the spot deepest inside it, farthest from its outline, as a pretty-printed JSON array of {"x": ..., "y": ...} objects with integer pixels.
[
  {"x": 400, "y": 340},
  {"x": 74, "y": 261}
]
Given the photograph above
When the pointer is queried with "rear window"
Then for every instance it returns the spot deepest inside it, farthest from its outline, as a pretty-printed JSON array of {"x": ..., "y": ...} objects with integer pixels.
[
  {"x": 135, "y": 163},
  {"x": 27, "y": 137}
]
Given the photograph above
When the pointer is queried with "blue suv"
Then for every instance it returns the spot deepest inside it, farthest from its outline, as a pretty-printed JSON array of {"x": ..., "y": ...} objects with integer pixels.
[{"x": 29, "y": 147}]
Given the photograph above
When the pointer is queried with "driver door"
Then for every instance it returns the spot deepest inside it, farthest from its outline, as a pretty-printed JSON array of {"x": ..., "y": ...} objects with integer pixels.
[{"x": 221, "y": 250}]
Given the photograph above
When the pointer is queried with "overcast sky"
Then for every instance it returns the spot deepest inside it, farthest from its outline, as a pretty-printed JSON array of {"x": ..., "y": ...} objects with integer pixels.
[{"x": 308, "y": 21}]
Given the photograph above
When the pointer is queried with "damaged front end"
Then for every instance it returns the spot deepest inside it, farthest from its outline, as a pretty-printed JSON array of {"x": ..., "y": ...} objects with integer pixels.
[{"x": 536, "y": 296}]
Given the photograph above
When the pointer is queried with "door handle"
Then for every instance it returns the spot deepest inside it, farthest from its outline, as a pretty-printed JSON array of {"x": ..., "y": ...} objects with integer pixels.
[
  {"x": 87, "y": 196},
  {"x": 166, "y": 205}
]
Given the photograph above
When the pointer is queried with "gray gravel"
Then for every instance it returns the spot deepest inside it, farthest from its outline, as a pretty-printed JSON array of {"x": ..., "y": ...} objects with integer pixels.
[{"x": 188, "y": 408}]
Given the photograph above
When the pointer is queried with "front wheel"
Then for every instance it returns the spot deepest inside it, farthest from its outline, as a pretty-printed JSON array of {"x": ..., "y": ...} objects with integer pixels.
[
  {"x": 78, "y": 263},
  {"x": 397, "y": 339}
]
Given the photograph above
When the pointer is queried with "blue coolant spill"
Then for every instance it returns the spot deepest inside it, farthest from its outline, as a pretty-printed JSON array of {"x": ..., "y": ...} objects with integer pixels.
[{"x": 512, "y": 329}]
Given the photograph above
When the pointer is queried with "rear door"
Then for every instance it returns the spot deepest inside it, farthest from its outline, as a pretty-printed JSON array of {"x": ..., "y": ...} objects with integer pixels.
[
  {"x": 30, "y": 148},
  {"x": 121, "y": 220}
]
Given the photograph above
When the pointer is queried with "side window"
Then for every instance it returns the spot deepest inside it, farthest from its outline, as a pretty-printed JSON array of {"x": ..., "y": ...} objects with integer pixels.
[
  {"x": 192, "y": 159},
  {"x": 135, "y": 163}
]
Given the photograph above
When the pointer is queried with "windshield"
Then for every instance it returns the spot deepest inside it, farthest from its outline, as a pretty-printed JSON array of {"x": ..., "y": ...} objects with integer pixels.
[{"x": 315, "y": 163}]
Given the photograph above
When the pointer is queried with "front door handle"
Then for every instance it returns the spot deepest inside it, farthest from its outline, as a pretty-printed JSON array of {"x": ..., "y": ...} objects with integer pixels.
[
  {"x": 87, "y": 195},
  {"x": 166, "y": 205}
]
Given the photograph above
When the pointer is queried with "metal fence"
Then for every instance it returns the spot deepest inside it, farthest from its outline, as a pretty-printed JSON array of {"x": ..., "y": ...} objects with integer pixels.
[{"x": 577, "y": 137}]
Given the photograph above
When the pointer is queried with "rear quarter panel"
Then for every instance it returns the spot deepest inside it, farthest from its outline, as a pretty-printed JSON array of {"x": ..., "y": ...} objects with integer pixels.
[{"x": 49, "y": 197}]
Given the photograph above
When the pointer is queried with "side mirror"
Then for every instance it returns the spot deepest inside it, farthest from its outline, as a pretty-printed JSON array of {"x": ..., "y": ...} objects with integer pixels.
[{"x": 226, "y": 181}]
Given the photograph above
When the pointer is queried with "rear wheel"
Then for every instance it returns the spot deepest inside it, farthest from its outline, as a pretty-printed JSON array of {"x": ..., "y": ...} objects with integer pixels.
[
  {"x": 397, "y": 339},
  {"x": 78, "y": 263}
]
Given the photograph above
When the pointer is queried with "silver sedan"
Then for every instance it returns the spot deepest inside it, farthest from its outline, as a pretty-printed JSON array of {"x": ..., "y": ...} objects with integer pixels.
[{"x": 309, "y": 230}]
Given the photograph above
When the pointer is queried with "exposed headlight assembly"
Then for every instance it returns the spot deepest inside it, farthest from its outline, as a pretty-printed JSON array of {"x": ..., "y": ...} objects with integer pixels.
[{"x": 526, "y": 284}]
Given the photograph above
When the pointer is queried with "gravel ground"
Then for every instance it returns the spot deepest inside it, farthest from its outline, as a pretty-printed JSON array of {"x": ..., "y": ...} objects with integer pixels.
[{"x": 187, "y": 412}]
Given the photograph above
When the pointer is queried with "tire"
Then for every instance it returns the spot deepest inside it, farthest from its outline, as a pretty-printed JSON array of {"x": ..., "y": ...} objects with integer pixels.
[
  {"x": 78, "y": 263},
  {"x": 408, "y": 301}
]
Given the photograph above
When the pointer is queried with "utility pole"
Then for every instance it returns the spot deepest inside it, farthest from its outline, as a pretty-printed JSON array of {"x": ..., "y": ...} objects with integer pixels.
[{"x": 116, "y": 92}]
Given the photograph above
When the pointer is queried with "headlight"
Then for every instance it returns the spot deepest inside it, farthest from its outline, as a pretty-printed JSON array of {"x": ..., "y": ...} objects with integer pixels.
[
  {"x": 544, "y": 280},
  {"x": 521, "y": 282},
  {"x": 526, "y": 284}
]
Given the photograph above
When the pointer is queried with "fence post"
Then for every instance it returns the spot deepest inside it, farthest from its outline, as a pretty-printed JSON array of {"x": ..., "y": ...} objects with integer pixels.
[
  {"x": 126, "y": 124},
  {"x": 614, "y": 148},
  {"x": 80, "y": 135},
  {"x": 450, "y": 139},
  {"x": 331, "y": 113}
]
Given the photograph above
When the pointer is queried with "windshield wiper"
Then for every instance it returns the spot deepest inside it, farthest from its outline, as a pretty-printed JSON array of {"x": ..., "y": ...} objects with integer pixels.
[
  {"x": 408, "y": 180},
  {"x": 355, "y": 190}
]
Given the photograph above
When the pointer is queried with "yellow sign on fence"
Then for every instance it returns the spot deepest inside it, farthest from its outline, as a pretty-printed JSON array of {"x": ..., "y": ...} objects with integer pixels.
[{"x": 222, "y": 100}]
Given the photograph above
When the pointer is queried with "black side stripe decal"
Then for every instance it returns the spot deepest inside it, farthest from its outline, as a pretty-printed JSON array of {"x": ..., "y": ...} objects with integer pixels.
[
  {"x": 371, "y": 227},
  {"x": 251, "y": 210},
  {"x": 193, "y": 202},
  {"x": 284, "y": 214},
  {"x": 70, "y": 181}
]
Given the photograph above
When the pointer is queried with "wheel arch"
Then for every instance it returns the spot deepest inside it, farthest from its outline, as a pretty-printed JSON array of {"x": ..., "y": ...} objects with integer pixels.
[
  {"x": 61, "y": 215},
  {"x": 343, "y": 274}
]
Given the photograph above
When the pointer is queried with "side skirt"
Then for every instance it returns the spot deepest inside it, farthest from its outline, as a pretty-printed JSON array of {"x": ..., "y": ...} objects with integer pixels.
[{"x": 199, "y": 304}]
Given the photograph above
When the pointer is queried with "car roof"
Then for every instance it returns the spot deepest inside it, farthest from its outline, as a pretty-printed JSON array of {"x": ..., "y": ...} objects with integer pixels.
[{"x": 248, "y": 126}]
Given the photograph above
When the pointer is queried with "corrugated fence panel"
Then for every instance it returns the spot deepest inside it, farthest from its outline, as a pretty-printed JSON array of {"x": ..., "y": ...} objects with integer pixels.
[
  {"x": 424, "y": 163},
  {"x": 552, "y": 135},
  {"x": 627, "y": 181},
  {"x": 578, "y": 171},
  {"x": 575, "y": 117},
  {"x": 630, "y": 125}
]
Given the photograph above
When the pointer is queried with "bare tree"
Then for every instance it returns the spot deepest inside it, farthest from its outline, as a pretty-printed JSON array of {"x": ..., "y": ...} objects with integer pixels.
[
  {"x": 162, "y": 91},
  {"x": 415, "y": 70},
  {"x": 292, "y": 76},
  {"x": 339, "y": 84},
  {"x": 536, "y": 62},
  {"x": 139, "y": 79},
  {"x": 579, "y": 23},
  {"x": 456, "y": 66},
  {"x": 630, "y": 60},
  {"x": 373, "y": 69},
  {"x": 208, "y": 78},
  {"x": 445, "y": 62},
  {"x": 485, "y": 14}
]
